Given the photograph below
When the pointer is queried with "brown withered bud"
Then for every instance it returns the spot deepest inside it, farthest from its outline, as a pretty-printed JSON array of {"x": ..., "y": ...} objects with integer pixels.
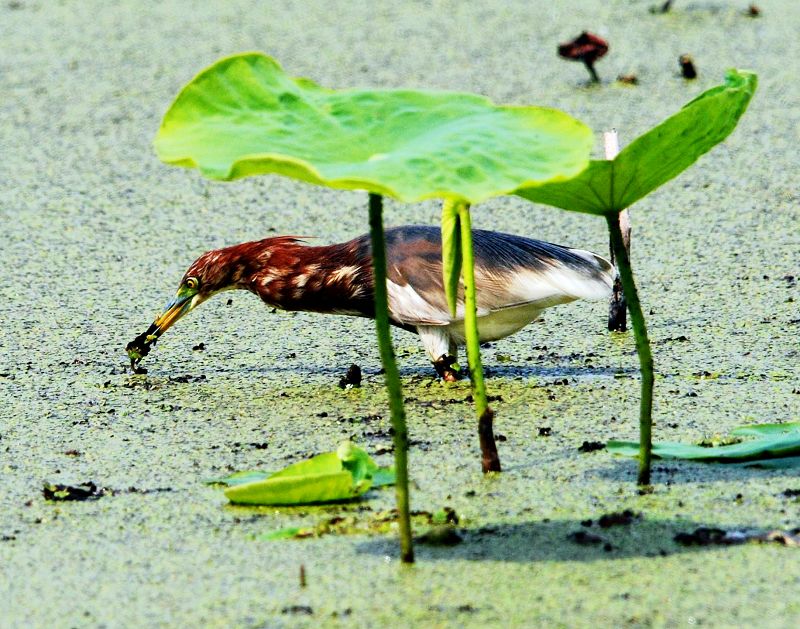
[{"x": 586, "y": 48}]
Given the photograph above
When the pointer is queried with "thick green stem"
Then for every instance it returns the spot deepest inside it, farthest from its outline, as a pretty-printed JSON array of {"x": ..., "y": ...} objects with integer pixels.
[
  {"x": 396, "y": 408},
  {"x": 642, "y": 347},
  {"x": 489, "y": 456}
]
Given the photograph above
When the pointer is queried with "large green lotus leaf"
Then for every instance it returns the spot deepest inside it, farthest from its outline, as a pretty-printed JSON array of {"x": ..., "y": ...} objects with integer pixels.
[
  {"x": 244, "y": 116},
  {"x": 655, "y": 157},
  {"x": 777, "y": 441}
]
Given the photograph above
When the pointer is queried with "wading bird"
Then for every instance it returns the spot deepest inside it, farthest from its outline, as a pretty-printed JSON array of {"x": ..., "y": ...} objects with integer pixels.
[{"x": 515, "y": 277}]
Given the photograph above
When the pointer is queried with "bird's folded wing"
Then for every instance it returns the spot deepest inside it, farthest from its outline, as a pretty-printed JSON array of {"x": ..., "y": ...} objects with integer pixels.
[{"x": 509, "y": 271}]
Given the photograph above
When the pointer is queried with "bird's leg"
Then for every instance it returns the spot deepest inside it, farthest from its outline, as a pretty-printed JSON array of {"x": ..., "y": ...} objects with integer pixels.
[
  {"x": 442, "y": 350},
  {"x": 444, "y": 366}
]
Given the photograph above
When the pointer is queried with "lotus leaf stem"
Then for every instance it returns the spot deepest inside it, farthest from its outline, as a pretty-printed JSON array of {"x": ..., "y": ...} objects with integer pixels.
[
  {"x": 489, "y": 457},
  {"x": 396, "y": 408},
  {"x": 642, "y": 347}
]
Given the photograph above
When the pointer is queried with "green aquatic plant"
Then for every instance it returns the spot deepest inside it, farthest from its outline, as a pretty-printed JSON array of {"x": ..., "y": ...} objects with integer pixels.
[
  {"x": 607, "y": 187},
  {"x": 244, "y": 116}
]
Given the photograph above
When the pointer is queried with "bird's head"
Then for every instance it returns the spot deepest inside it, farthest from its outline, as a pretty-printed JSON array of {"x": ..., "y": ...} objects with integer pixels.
[{"x": 211, "y": 273}]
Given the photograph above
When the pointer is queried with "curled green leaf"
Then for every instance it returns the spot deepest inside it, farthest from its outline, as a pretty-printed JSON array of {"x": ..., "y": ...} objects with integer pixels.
[
  {"x": 332, "y": 476},
  {"x": 652, "y": 159}
]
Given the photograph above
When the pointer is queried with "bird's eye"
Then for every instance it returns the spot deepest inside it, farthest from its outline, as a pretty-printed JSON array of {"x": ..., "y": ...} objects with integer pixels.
[{"x": 192, "y": 283}]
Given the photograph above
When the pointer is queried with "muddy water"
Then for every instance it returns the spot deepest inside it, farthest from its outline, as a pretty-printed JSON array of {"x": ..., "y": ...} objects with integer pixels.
[{"x": 96, "y": 233}]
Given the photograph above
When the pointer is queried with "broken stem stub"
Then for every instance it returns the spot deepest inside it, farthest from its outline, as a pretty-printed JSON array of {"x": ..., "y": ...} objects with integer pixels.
[
  {"x": 490, "y": 460},
  {"x": 617, "y": 307}
]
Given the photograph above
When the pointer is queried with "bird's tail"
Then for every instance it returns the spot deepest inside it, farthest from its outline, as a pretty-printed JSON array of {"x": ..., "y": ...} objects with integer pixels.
[{"x": 595, "y": 279}]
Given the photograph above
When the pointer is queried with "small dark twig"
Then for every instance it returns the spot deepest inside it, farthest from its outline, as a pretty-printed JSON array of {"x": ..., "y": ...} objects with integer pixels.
[{"x": 664, "y": 8}]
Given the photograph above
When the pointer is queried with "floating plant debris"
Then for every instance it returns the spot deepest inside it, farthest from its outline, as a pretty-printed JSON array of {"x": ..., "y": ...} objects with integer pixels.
[
  {"x": 628, "y": 79},
  {"x": 711, "y": 536},
  {"x": 688, "y": 71},
  {"x": 84, "y": 491}
]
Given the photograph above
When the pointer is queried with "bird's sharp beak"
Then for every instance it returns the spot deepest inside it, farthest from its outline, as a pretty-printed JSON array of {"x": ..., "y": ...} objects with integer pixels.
[{"x": 174, "y": 310}]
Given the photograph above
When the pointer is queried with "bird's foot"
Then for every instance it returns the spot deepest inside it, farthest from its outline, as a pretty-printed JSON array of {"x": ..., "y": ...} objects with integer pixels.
[{"x": 447, "y": 368}]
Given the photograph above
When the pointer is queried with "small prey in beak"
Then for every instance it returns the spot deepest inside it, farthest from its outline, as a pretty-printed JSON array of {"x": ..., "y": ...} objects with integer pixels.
[{"x": 186, "y": 299}]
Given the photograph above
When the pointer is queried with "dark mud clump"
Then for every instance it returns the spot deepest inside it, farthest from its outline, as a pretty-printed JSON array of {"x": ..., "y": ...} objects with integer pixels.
[
  {"x": 352, "y": 378},
  {"x": 441, "y": 535},
  {"x": 620, "y": 518}
]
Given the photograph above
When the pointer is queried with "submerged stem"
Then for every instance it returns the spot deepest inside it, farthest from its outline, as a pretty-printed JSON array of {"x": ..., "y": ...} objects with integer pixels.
[
  {"x": 396, "y": 408},
  {"x": 642, "y": 347},
  {"x": 490, "y": 458}
]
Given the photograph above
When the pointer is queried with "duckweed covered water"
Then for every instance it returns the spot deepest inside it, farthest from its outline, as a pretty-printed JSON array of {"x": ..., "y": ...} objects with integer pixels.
[{"x": 96, "y": 234}]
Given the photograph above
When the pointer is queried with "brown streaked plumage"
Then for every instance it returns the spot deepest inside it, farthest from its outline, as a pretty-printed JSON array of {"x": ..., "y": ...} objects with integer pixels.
[{"x": 516, "y": 278}]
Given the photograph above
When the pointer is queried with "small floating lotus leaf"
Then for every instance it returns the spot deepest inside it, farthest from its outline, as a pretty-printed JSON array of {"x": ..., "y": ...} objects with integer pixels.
[
  {"x": 652, "y": 159},
  {"x": 776, "y": 442},
  {"x": 767, "y": 430},
  {"x": 244, "y": 116},
  {"x": 333, "y": 476}
]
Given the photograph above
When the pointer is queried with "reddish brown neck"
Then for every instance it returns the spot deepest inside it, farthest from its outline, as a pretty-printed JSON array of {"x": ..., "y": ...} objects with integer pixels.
[{"x": 332, "y": 279}]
